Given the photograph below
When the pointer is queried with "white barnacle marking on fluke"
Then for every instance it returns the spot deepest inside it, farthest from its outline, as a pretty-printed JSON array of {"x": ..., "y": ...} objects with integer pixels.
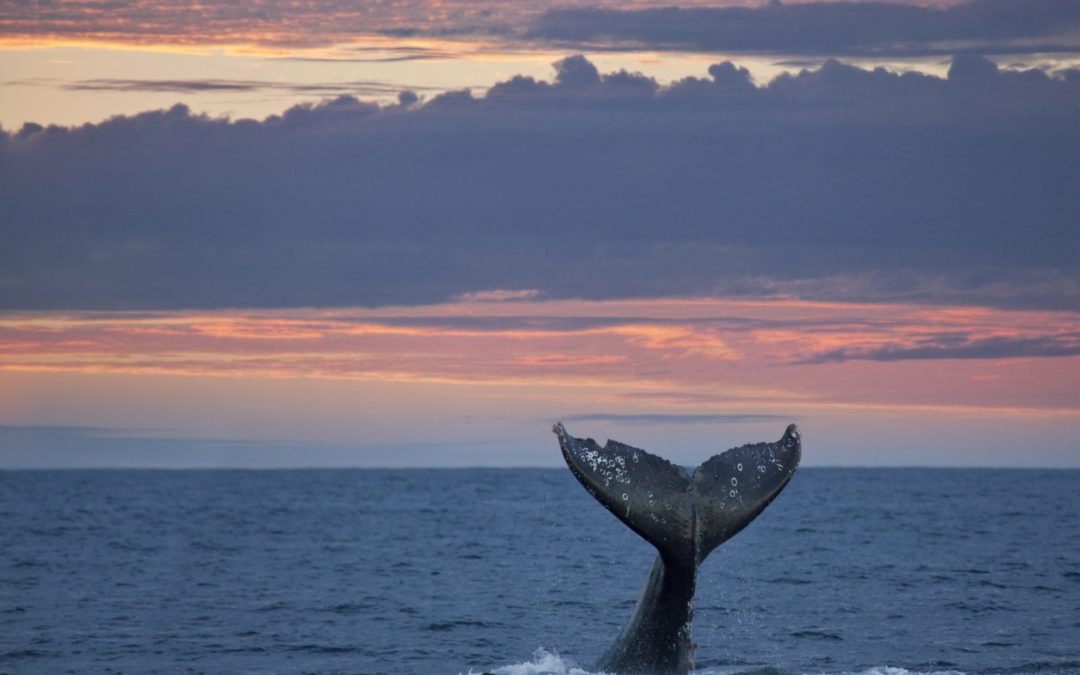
[{"x": 606, "y": 466}]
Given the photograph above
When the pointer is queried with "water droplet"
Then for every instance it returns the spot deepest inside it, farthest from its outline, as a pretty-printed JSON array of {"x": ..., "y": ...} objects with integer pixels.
[
  {"x": 738, "y": 466},
  {"x": 624, "y": 497},
  {"x": 734, "y": 480},
  {"x": 732, "y": 493}
]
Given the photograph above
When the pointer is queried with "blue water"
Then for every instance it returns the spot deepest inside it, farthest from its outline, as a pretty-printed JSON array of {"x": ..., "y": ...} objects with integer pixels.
[{"x": 520, "y": 572}]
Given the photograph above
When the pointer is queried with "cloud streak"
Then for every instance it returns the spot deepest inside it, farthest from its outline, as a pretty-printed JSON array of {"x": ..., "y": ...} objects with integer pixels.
[
  {"x": 368, "y": 88},
  {"x": 960, "y": 346},
  {"x": 357, "y": 88}
]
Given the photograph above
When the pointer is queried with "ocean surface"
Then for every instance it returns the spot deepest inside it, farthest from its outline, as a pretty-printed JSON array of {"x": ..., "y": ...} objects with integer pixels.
[{"x": 520, "y": 572}]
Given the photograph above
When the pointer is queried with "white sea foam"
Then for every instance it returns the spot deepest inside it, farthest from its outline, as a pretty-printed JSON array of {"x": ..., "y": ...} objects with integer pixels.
[
  {"x": 891, "y": 670},
  {"x": 546, "y": 662},
  {"x": 543, "y": 663}
]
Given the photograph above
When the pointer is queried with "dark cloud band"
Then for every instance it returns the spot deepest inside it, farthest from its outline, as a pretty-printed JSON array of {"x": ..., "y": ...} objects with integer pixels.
[
  {"x": 839, "y": 183},
  {"x": 827, "y": 28}
]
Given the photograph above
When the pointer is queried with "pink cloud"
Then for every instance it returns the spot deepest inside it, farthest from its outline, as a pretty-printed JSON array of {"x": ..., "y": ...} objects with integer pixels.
[{"x": 682, "y": 354}]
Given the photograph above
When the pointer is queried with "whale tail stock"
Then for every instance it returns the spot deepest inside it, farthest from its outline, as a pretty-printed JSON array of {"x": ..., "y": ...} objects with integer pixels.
[{"x": 685, "y": 516}]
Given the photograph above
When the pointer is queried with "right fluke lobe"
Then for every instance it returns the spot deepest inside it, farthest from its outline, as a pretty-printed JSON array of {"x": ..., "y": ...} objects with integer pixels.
[{"x": 732, "y": 488}]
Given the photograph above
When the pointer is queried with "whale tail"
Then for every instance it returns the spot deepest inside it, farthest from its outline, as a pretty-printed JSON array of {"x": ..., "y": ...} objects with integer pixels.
[{"x": 684, "y": 516}]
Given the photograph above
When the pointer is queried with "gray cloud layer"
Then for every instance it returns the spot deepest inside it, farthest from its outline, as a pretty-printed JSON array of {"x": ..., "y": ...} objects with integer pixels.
[
  {"x": 959, "y": 346},
  {"x": 829, "y": 28},
  {"x": 834, "y": 183}
]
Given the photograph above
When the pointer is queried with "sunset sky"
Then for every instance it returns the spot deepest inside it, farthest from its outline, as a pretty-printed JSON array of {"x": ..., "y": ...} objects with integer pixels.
[{"x": 409, "y": 233}]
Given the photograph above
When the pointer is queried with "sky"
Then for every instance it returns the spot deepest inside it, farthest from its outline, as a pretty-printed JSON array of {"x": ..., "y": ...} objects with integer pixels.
[{"x": 410, "y": 233}]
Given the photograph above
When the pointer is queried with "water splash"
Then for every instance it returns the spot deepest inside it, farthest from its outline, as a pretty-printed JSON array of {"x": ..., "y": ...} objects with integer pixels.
[{"x": 543, "y": 663}]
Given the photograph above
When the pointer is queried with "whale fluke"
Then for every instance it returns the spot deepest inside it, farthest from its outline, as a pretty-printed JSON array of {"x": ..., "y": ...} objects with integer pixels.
[
  {"x": 732, "y": 488},
  {"x": 648, "y": 493},
  {"x": 685, "y": 517}
]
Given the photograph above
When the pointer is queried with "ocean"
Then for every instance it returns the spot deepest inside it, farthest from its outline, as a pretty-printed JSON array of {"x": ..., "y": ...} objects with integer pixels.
[{"x": 521, "y": 572}]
